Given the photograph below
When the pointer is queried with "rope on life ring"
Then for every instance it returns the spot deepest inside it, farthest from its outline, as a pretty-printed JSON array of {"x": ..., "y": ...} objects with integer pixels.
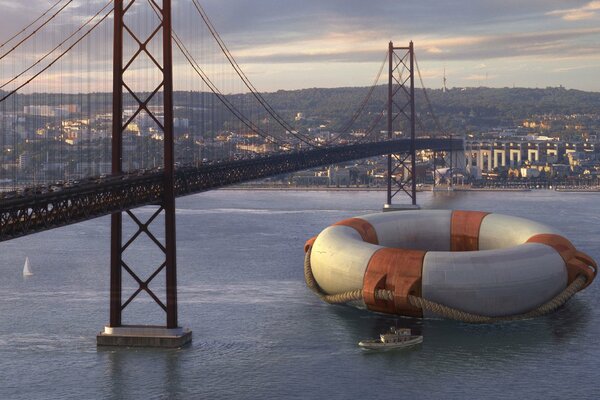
[{"x": 440, "y": 309}]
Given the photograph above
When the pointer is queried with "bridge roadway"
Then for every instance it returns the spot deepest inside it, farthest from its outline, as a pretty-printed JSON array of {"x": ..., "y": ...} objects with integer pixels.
[{"x": 28, "y": 214}]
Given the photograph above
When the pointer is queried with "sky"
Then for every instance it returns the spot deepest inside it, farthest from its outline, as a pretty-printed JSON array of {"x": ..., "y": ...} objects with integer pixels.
[{"x": 285, "y": 44}]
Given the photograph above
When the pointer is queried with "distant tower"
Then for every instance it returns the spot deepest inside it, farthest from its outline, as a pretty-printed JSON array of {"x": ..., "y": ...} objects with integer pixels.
[{"x": 444, "y": 89}]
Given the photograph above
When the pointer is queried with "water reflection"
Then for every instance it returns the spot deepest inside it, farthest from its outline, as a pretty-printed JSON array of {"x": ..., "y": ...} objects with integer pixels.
[
  {"x": 144, "y": 372},
  {"x": 571, "y": 319},
  {"x": 443, "y": 200},
  {"x": 466, "y": 344}
]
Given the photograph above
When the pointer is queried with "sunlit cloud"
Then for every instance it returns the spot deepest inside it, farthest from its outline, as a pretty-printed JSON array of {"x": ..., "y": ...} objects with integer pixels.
[
  {"x": 433, "y": 50},
  {"x": 588, "y": 11},
  {"x": 348, "y": 47},
  {"x": 575, "y": 68},
  {"x": 479, "y": 77},
  {"x": 330, "y": 44}
]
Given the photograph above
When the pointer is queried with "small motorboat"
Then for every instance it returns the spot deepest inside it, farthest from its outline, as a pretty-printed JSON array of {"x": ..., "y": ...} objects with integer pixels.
[{"x": 394, "y": 339}]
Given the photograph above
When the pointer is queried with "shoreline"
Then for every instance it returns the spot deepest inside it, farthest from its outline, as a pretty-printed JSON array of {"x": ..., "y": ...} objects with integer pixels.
[
  {"x": 307, "y": 188},
  {"x": 574, "y": 190},
  {"x": 383, "y": 189}
]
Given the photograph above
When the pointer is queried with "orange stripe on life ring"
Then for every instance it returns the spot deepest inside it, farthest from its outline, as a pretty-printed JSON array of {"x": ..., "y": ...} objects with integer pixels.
[
  {"x": 397, "y": 270},
  {"x": 364, "y": 228},
  {"x": 309, "y": 243},
  {"x": 464, "y": 230},
  {"x": 577, "y": 262}
]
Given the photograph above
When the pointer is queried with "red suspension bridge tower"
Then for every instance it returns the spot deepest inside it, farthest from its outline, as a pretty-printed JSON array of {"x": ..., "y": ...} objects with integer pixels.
[
  {"x": 401, "y": 168},
  {"x": 116, "y": 333}
]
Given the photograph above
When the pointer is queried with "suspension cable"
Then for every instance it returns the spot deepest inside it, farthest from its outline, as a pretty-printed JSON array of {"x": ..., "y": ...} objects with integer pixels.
[
  {"x": 57, "y": 58},
  {"x": 371, "y": 129},
  {"x": 29, "y": 25},
  {"x": 214, "y": 89},
  {"x": 420, "y": 123},
  {"x": 377, "y": 120},
  {"x": 433, "y": 115},
  {"x": 234, "y": 110},
  {"x": 56, "y": 47},
  {"x": 284, "y": 124},
  {"x": 36, "y": 30},
  {"x": 346, "y": 127}
]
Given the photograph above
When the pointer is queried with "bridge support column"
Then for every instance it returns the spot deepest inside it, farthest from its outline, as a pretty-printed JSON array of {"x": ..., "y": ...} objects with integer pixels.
[
  {"x": 116, "y": 333},
  {"x": 401, "y": 168}
]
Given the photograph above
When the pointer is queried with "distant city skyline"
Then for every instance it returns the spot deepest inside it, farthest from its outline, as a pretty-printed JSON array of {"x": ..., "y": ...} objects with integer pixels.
[{"x": 333, "y": 43}]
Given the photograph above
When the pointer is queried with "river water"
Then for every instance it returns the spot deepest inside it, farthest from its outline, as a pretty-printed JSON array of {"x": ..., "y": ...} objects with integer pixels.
[{"x": 259, "y": 333}]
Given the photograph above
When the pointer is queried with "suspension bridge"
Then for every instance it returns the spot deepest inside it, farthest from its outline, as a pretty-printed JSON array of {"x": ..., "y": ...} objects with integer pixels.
[{"x": 159, "y": 142}]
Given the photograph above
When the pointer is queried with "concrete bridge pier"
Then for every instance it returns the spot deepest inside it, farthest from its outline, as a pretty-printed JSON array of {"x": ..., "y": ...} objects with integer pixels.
[
  {"x": 144, "y": 336},
  {"x": 400, "y": 207}
]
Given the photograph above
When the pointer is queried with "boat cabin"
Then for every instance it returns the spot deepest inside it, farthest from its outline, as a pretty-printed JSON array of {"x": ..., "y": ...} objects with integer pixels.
[{"x": 395, "y": 335}]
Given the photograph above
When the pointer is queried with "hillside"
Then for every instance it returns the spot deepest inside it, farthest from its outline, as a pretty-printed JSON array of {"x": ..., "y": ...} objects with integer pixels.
[{"x": 458, "y": 109}]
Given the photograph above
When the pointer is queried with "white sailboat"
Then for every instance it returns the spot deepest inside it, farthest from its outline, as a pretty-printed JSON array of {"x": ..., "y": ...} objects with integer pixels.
[{"x": 27, "y": 268}]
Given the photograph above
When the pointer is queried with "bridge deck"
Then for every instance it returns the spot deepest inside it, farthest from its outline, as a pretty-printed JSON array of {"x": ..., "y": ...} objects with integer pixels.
[{"x": 33, "y": 213}]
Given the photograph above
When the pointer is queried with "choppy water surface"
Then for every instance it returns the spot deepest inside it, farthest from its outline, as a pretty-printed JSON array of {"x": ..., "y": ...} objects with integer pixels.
[{"x": 259, "y": 332}]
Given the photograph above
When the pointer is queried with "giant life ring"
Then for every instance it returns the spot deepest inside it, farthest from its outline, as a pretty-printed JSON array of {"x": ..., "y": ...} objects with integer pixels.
[{"x": 481, "y": 263}]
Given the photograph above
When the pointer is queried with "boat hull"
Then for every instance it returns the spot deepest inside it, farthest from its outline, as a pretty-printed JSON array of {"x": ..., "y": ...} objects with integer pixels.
[{"x": 379, "y": 346}]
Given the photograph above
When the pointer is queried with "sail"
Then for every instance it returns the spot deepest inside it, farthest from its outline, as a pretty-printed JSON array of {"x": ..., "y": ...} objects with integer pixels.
[{"x": 27, "y": 268}]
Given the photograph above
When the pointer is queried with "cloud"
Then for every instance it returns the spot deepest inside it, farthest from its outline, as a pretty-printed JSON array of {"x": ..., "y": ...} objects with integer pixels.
[
  {"x": 434, "y": 50},
  {"x": 353, "y": 31},
  {"x": 347, "y": 48},
  {"x": 294, "y": 36},
  {"x": 262, "y": 22},
  {"x": 589, "y": 11},
  {"x": 479, "y": 77},
  {"x": 575, "y": 68},
  {"x": 557, "y": 43}
]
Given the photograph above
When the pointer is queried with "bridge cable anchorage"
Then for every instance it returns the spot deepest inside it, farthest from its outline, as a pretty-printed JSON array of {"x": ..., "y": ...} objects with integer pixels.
[
  {"x": 215, "y": 90},
  {"x": 56, "y": 47},
  {"x": 9, "y": 94},
  {"x": 36, "y": 30},
  {"x": 30, "y": 24},
  {"x": 346, "y": 127},
  {"x": 282, "y": 122},
  {"x": 440, "y": 309}
]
